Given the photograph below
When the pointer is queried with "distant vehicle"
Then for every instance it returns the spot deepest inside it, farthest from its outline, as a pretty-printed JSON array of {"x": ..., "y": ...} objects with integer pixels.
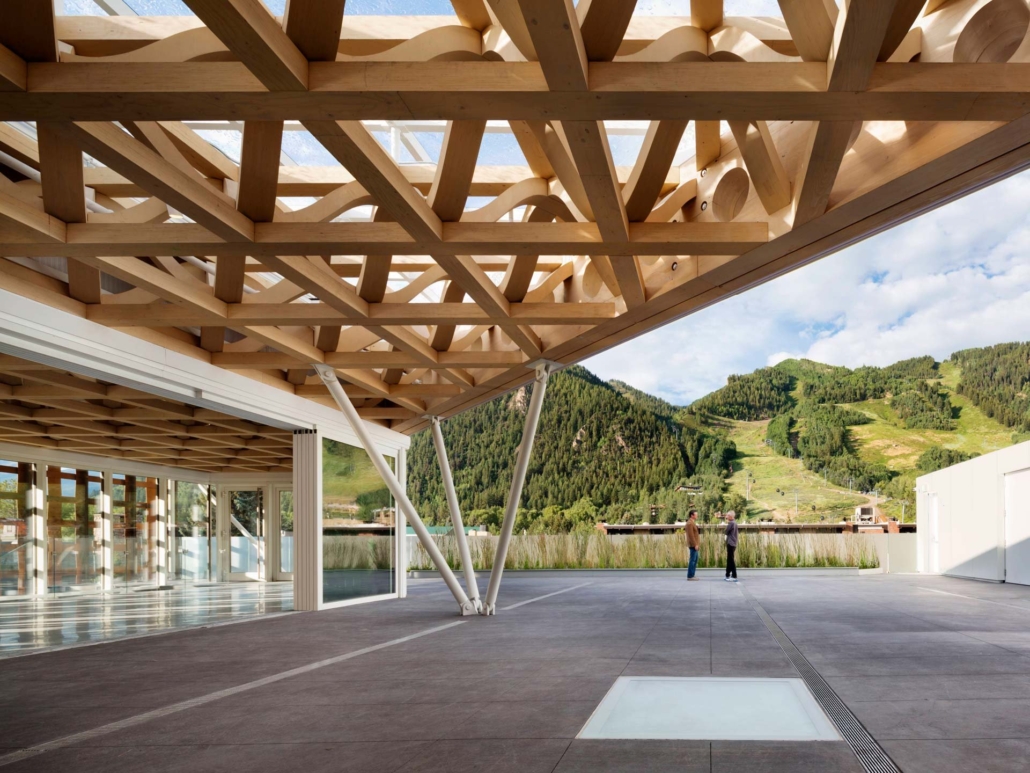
[{"x": 865, "y": 514}]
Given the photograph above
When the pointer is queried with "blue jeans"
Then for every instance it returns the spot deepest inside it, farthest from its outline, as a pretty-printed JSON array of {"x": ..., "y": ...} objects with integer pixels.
[{"x": 692, "y": 569}]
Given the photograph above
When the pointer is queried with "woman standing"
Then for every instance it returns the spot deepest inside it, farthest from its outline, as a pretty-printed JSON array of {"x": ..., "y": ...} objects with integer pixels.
[{"x": 732, "y": 532}]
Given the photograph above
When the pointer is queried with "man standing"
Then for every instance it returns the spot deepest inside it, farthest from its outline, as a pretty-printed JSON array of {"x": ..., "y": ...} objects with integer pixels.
[
  {"x": 732, "y": 532},
  {"x": 694, "y": 543}
]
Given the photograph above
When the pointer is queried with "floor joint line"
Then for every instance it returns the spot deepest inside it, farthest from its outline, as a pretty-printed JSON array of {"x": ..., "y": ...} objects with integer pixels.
[
  {"x": 867, "y": 749},
  {"x": 175, "y": 708}
]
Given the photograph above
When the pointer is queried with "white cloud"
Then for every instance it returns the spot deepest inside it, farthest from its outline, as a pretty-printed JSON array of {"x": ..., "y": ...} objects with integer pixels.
[{"x": 955, "y": 278}]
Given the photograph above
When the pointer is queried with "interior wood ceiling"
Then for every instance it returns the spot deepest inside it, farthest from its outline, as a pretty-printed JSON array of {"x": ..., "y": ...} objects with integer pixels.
[
  {"x": 811, "y": 132},
  {"x": 49, "y": 408}
]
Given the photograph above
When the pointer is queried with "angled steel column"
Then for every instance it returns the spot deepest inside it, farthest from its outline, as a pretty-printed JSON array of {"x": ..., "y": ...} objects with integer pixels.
[
  {"x": 328, "y": 376},
  {"x": 452, "y": 505},
  {"x": 543, "y": 372}
]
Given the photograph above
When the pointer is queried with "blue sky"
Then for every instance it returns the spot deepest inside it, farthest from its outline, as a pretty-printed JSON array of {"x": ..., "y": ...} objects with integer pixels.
[{"x": 954, "y": 278}]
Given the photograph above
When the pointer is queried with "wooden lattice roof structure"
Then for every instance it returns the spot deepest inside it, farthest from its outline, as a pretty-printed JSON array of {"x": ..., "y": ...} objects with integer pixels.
[
  {"x": 53, "y": 409},
  {"x": 430, "y": 281}
]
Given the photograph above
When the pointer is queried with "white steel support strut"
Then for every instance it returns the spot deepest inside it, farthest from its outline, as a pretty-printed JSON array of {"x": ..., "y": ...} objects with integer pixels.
[
  {"x": 452, "y": 505},
  {"x": 328, "y": 376},
  {"x": 543, "y": 372}
]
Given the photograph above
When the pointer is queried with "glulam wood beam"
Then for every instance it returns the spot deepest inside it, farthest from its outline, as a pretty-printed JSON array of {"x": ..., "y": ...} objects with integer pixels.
[
  {"x": 249, "y": 30},
  {"x": 161, "y": 178}
]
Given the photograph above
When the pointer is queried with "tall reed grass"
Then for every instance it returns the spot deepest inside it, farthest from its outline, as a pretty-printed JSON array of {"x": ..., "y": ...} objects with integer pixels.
[
  {"x": 354, "y": 552},
  {"x": 662, "y": 551}
]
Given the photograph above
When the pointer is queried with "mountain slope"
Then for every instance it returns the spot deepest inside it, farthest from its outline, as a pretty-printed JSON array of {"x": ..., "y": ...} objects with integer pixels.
[
  {"x": 593, "y": 442},
  {"x": 797, "y": 440}
]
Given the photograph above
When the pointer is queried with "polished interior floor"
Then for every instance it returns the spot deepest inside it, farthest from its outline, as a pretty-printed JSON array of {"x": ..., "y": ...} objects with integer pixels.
[
  {"x": 51, "y": 622},
  {"x": 938, "y": 670}
]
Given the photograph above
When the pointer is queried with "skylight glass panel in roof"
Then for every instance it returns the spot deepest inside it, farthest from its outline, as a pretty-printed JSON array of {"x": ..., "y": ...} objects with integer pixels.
[
  {"x": 398, "y": 7},
  {"x": 81, "y": 8},
  {"x": 159, "y": 7},
  {"x": 229, "y": 141},
  {"x": 625, "y": 138},
  {"x": 305, "y": 150},
  {"x": 501, "y": 149}
]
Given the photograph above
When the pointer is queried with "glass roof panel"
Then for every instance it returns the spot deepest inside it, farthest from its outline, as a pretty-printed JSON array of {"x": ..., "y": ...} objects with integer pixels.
[
  {"x": 500, "y": 148},
  {"x": 305, "y": 150},
  {"x": 159, "y": 7},
  {"x": 81, "y": 8}
]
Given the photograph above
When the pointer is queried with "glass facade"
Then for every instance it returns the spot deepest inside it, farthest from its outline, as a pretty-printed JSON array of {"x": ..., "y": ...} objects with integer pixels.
[
  {"x": 74, "y": 529},
  {"x": 286, "y": 531},
  {"x": 358, "y": 518},
  {"x": 17, "y": 481},
  {"x": 134, "y": 526},
  {"x": 65, "y": 529},
  {"x": 247, "y": 533},
  {"x": 194, "y": 543}
]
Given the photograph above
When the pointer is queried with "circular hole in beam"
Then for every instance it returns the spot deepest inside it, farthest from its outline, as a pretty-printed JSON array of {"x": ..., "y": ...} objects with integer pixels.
[
  {"x": 730, "y": 194},
  {"x": 994, "y": 33}
]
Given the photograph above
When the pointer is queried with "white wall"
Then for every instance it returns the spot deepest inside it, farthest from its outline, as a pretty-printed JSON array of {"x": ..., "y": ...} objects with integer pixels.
[{"x": 971, "y": 514}]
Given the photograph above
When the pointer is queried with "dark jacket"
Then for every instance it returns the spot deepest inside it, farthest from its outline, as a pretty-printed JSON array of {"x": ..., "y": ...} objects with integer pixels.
[{"x": 731, "y": 533}]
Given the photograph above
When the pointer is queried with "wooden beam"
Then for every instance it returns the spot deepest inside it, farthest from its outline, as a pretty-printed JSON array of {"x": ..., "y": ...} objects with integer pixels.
[
  {"x": 14, "y": 72},
  {"x": 656, "y": 154},
  {"x": 763, "y": 163},
  {"x": 456, "y": 168},
  {"x": 27, "y": 28},
  {"x": 249, "y": 30},
  {"x": 161, "y": 178},
  {"x": 589, "y": 145},
  {"x": 277, "y": 239},
  {"x": 821, "y": 159},
  {"x": 811, "y": 24},
  {"x": 229, "y": 276},
  {"x": 19, "y": 145},
  {"x": 472, "y": 13},
  {"x": 490, "y": 308},
  {"x": 631, "y": 281},
  {"x": 603, "y": 24},
  {"x": 857, "y": 40},
  {"x": 443, "y": 334},
  {"x": 27, "y": 220},
  {"x": 64, "y": 197},
  {"x": 60, "y": 163},
  {"x": 259, "y": 169},
  {"x": 553, "y": 26},
  {"x": 204, "y": 156},
  {"x": 905, "y": 13},
  {"x": 352, "y": 145},
  {"x": 706, "y": 14},
  {"x": 519, "y": 91},
  {"x": 191, "y": 296},
  {"x": 314, "y": 27},
  {"x": 707, "y": 143},
  {"x": 371, "y": 359}
]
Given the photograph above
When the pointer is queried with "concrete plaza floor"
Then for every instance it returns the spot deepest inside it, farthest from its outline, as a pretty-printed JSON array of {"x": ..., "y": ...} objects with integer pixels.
[{"x": 938, "y": 671}]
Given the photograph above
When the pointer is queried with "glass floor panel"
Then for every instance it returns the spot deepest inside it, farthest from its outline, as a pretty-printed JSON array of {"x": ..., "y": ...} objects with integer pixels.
[{"x": 710, "y": 709}]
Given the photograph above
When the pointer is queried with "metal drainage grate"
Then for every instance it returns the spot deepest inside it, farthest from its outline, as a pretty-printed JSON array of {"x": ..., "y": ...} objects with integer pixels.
[{"x": 872, "y": 756}]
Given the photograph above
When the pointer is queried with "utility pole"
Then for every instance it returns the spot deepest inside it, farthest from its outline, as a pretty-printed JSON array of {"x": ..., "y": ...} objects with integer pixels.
[{"x": 903, "y": 511}]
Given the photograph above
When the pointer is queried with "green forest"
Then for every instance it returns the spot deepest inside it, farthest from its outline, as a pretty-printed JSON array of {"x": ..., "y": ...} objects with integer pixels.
[{"x": 606, "y": 451}]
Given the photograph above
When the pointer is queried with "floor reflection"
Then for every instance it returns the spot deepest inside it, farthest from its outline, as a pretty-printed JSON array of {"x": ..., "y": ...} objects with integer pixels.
[{"x": 31, "y": 624}]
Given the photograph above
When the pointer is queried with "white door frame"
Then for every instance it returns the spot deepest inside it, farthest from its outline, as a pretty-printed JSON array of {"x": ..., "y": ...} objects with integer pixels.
[
  {"x": 273, "y": 538},
  {"x": 935, "y": 533},
  {"x": 1009, "y": 535},
  {"x": 223, "y": 515}
]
